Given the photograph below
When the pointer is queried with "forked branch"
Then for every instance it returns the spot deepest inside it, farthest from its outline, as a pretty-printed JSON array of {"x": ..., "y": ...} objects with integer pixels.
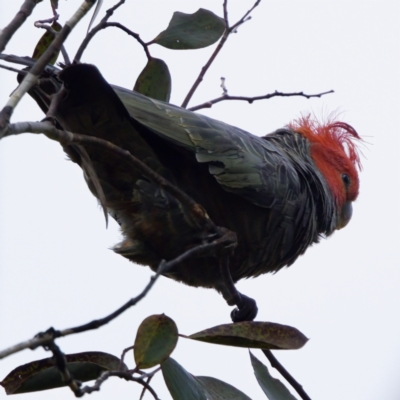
[{"x": 250, "y": 100}]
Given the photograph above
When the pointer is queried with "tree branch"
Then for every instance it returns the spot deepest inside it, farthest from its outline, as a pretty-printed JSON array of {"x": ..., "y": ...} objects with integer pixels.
[
  {"x": 33, "y": 75},
  {"x": 44, "y": 338},
  {"x": 278, "y": 366},
  {"x": 121, "y": 374},
  {"x": 75, "y": 386},
  {"x": 103, "y": 24},
  {"x": 21, "y": 16},
  {"x": 228, "y": 31},
  {"x": 224, "y": 97}
]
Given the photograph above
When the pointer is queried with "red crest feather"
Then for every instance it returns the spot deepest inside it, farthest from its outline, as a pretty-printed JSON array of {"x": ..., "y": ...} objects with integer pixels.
[{"x": 334, "y": 152}]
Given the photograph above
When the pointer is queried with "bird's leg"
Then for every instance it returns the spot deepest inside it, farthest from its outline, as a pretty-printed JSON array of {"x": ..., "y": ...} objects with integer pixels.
[{"x": 246, "y": 307}]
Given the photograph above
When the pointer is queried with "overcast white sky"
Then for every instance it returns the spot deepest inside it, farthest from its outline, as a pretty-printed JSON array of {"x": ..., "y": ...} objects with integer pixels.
[{"x": 344, "y": 293}]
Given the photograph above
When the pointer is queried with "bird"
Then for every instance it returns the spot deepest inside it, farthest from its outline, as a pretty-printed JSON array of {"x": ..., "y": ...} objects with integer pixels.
[{"x": 277, "y": 194}]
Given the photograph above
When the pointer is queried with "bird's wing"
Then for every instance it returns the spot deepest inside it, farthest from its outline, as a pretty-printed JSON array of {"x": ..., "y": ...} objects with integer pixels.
[{"x": 253, "y": 167}]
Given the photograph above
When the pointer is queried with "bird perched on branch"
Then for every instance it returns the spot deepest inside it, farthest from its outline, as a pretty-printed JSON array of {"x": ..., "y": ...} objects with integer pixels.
[{"x": 279, "y": 193}]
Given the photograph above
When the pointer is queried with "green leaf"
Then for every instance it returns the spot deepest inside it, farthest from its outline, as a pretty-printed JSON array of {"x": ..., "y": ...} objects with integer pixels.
[
  {"x": 42, "y": 375},
  {"x": 251, "y": 334},
  {"x": 184, "y": 386},
  {"x": 156, "y": 338},
  {"x": 272, "y": 387},
  {"x": 219, "y": 390},
  {"x": 191, "y": 31},
  {"x": 45, "y": 41},
  {"x": 181, "y": 384},
  {"x": 155, "y": 80}
]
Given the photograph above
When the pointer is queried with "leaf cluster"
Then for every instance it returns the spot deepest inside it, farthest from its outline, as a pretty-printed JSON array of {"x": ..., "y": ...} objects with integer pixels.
[{"x": 156, "y": 339}]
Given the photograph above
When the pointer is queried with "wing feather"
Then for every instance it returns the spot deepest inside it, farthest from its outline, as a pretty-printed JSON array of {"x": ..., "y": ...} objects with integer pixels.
[{"x": 250, "y": 166}]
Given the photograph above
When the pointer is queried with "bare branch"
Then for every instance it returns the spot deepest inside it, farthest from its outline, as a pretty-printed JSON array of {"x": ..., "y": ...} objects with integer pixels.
[
  {"x": 224, "y": 97},
  {"x": 278, "y": 366},
  {"x": 61, "y": 364},
  {"x": 150, "y": 377},
  {"x": 21, "y": 16},
  {"x": 228, "y": 31},
  {"x": 123, "y": 356},
  {"x": 111, "y": 10},
  {"x": 18, "y": 71},
  {"x": 121, "y": 374},
  {"x": 33, "y": 75},
  {"x": 27, "y": 61},
  {"x": 75, "y": 386},
  {"x": 105, "y": 24},
  {"x": 43, "y": 339},
  {"x": 245, "y": 17}
]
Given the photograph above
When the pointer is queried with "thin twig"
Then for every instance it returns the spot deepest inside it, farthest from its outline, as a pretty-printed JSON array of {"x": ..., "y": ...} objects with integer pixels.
[
  {"x": 245, "y": 17},
  {"x": 278, "y": 366},
  {"x": 18, "y": 71},
  {"x": 75, "y": 386},
  {"x": 224, "y": 38},
  {"x": 121, "y": 363},
  {"x": 61, "y": 364},
  {"x": 47, "y": 337},
  {"x": 29, "y": 62},
  {"x": 24, "y": 12},
  {"x": 224, "y": 97},
  {"x": 121, "y": 374},
  {"x": 150, "y": 377},
  {"x": 103, "y": 24},
  {"x": 111, "y": 10}
]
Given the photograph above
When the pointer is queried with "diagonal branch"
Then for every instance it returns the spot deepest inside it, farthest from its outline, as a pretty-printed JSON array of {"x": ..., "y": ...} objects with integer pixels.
[
  {"x": 21, "y": 16},
  {"x": 32, "y": 77},
  {"x": 228, "y": 31},
  {"x": 278, "y": 366},
  {"x": 224, "y": 97},
  {"x": 43, "y": 339}
]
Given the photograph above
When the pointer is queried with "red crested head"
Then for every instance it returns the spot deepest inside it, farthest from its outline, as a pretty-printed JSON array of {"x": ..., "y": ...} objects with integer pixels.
[{"x": 335, "y": 154}]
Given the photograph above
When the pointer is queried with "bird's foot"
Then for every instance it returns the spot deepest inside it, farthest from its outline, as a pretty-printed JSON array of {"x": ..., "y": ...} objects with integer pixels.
[{"x": 246, "y": 309}]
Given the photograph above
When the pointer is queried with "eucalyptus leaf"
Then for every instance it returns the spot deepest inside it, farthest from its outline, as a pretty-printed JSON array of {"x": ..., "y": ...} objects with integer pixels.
[
  {"x": 156, "y": 338},
  {"x": 219, "y": 390},
  {"x": 43, "y": 375},
  {"x": 184, "y": 386},
  {"x": 45, "y": 41},
  {"x": 181, "y": 384},
  {"x": 191, "y": 31},
  {"x": 253, "y": 334},
  {"x": 155, "y": 80},
  {"x": 272, "y": 387}
]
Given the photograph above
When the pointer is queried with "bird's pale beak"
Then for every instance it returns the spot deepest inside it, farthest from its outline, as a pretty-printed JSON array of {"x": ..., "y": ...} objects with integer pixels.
[{"x": 345, "y": 215}]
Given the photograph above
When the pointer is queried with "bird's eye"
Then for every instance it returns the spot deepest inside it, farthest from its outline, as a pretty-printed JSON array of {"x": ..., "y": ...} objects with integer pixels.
[{"x": 346, "y": 179}]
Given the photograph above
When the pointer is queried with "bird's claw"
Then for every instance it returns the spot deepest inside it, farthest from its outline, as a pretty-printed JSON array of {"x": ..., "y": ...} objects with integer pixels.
[{"x": 246, "y": 310}]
